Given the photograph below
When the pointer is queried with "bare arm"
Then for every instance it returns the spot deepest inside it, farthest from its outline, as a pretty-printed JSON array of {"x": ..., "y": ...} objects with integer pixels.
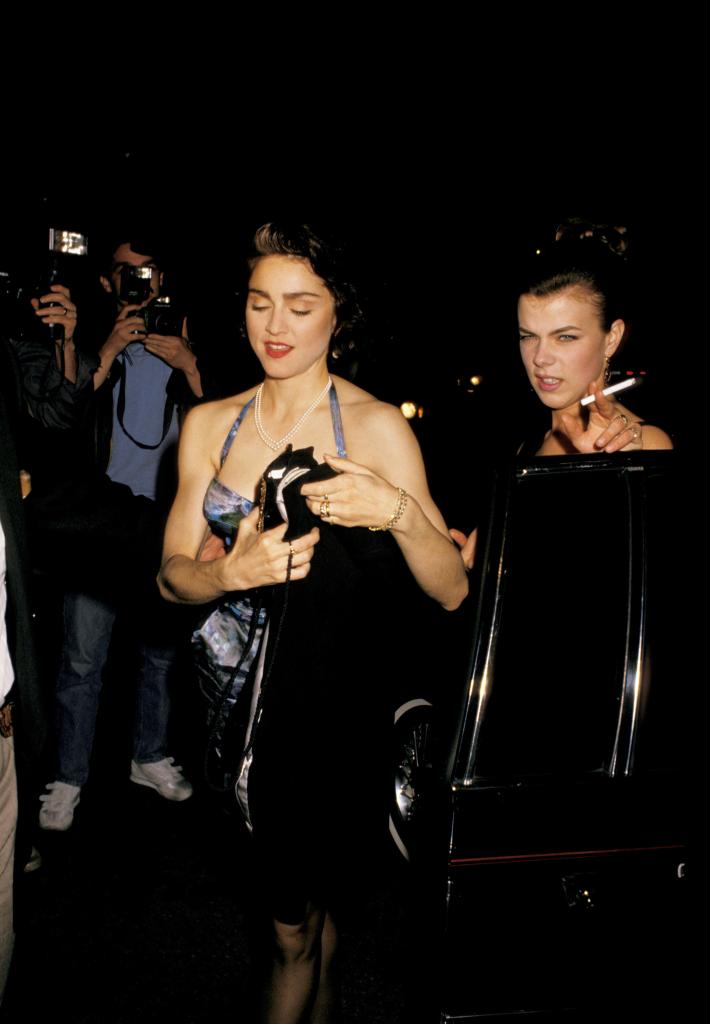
[
  {"x": 127, "y": 328},
  {"x": 361, "y": 496},
  {"x": 176, "y": 352}
]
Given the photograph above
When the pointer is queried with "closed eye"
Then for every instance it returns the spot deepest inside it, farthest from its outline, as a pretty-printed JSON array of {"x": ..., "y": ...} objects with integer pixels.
[{"x": 301, "y": 312}]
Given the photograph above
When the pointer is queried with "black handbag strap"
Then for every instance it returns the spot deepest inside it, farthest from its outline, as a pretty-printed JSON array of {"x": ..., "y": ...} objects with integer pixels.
[{"x": 217, "y": 723}]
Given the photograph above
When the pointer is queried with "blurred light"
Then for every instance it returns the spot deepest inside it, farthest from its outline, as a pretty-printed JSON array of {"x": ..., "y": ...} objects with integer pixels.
[
  {"x": 420, "y": 411},
  {"x": 475, "y": 380},
  {"x": 629, "y": 373},
  {"x": 408, "y": 410},
  {"x": 538, "y": 252},
  {"x": 68, "y": 241}
]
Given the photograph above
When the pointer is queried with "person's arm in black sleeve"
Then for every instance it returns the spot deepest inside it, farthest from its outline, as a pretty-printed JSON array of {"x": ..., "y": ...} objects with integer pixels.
[
  {"x": 56, "y": 378},
  {"x": 52, "y": 399}
]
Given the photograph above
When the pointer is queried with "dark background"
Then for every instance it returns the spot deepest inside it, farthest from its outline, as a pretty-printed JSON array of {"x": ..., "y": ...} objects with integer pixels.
[
  {"x": 436, "y": 215},
  {"x": 438, "y": 189}
]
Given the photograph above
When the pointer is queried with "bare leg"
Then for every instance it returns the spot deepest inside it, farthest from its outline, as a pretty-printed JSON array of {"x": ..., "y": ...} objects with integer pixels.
[
  {"x": 326, "y": 1005},
  {"x": 294, "y": 979}
]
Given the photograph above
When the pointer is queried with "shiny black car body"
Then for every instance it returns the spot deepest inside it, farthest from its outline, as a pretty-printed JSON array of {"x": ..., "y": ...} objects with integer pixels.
[{"x": 548, "y": 821}]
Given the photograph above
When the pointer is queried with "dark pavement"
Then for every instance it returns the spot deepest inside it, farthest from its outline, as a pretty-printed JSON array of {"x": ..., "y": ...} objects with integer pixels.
[
  {"x": 143, "y": 912},
  {"x": 145, "y": 909}
]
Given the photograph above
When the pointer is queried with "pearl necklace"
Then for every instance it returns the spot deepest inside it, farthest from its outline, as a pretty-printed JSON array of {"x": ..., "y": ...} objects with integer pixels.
[{"x": 272, "y": 442}]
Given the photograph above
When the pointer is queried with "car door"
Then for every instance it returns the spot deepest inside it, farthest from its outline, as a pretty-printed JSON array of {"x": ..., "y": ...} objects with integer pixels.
[{"x": 558, "y": 841}]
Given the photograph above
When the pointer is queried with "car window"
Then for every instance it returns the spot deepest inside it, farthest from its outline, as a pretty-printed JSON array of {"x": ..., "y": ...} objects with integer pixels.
[{"x": 558, "y": 668}]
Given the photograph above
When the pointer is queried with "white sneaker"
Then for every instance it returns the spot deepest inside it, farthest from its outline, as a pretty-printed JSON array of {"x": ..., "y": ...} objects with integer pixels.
[
  {"x": 58, "y": 803},
  {"x": 163, "y": 776}
]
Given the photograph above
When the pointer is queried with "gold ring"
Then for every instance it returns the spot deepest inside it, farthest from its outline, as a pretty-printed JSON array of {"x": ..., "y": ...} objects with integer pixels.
[
  {"x": 324, "y": 510},
  {"x": 624, "y": 418},
  {"x": 291, "y": 552}
]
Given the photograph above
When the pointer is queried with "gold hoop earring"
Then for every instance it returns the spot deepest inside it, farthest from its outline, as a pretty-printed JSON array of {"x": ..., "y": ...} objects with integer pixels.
[{"x": 607, "y": 371}]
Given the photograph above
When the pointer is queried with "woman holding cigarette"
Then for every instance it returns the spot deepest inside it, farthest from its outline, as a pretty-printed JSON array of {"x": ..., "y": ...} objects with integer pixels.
[{"x": 571, "y": 316}]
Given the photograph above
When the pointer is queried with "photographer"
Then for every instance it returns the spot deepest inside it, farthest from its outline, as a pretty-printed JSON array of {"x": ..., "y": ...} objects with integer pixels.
[
  {"x": 45, "y": 389},
  {"x": 147, "y": 373},
  {"x": 131, "y": 325},
  {"x": 38, "y": 319}
]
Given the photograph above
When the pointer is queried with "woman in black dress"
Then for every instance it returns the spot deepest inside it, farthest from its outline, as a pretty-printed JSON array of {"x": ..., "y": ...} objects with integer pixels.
[{"x": 317, "y": 699}]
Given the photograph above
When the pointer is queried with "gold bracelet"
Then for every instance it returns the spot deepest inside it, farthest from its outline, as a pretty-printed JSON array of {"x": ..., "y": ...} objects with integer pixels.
[{"x": 402, "y": 497}]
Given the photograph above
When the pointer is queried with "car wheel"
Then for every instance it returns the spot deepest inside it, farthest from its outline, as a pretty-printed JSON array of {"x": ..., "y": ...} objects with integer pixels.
[{"x": 411, "y": 762}]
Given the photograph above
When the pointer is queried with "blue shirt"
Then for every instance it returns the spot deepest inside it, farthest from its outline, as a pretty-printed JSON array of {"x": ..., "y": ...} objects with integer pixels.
[{"x": 146, "y": 377}]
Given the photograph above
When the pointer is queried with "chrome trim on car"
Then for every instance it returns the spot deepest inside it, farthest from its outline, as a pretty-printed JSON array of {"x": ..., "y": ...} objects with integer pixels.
[
  {"x": 622, "y": 754},
  {"x": 485, "y": 649}
]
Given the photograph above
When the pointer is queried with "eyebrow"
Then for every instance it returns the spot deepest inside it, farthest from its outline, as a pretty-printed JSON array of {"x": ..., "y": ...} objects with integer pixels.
[
  {"x": 557, "y": 330},
  {"x": 288, "y": 295},
  {"x": 147, "y": 263}
]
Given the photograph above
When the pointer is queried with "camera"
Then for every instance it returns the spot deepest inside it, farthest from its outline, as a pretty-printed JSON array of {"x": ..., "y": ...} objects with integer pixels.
[
  {"x": 161, "y": 317},
  {"x": 28, "y": 270},
  {"x": 62, "y": 244},
  {"x": 135, "y": 284}
]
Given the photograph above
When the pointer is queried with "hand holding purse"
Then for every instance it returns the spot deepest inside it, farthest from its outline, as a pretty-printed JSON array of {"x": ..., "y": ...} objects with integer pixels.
[
  {"x": 280, "y": 498},
  {"x": 225, "y": 677}
]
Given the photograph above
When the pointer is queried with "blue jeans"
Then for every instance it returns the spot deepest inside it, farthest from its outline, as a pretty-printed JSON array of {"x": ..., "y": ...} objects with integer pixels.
[{"x": 88, "y": 624}]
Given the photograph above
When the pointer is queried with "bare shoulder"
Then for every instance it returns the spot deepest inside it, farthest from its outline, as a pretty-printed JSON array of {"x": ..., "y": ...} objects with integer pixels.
[
  {"x": 365, "y": 411},
  {"x": 655, "y": 439},
  {"x": 374, "y": 430},
  {"x": 209, "y": 423}
]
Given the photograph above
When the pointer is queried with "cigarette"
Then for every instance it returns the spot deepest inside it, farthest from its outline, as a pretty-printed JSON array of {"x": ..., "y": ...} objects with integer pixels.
[{"x": 621, "y": 386}]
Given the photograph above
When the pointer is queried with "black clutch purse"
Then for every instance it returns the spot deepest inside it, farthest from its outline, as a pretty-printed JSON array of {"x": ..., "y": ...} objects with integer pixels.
[{"x": 280, "y": 499}]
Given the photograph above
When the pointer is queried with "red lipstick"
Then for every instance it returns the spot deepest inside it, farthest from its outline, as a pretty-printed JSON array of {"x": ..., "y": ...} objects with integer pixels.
[{"x": 275, "y": 350}]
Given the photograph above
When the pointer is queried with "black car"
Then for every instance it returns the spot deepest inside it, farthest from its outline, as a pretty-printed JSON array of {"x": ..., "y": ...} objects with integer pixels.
[{"x": 544, "y": 795}]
